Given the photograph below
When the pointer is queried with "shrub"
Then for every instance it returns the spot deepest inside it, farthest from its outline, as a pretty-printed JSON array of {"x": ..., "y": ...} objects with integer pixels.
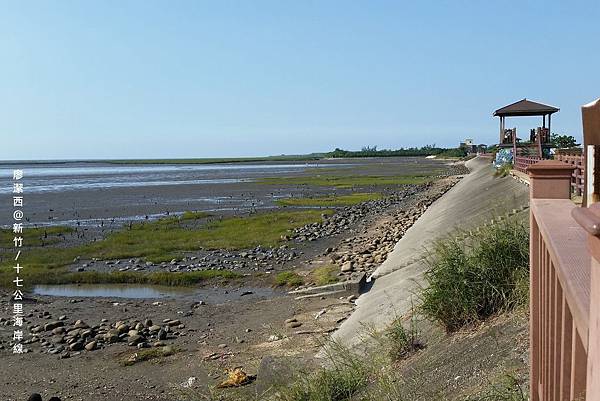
[{"x": 470, "y": 282}]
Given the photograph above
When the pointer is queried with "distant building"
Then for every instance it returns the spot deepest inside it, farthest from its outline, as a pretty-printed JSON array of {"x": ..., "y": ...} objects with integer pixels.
[{"x": 469, "y": 146}]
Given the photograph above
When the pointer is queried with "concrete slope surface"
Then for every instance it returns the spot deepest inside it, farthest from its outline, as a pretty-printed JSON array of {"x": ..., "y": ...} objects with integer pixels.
[{"x": 476, "y": 199}]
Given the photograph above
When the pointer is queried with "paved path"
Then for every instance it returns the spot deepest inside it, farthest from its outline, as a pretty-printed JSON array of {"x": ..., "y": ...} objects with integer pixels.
[{"x": 477, "y": 198}]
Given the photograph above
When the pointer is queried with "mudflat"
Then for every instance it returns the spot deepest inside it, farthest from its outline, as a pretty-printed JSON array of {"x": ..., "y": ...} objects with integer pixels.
[{"x": 102, "y": 330}]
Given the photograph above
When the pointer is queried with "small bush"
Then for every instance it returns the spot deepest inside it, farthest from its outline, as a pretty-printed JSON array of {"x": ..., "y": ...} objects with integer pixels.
[
  {"x": 470, "y": 282},
  {"x": 289, "y": 278},
  {"x": 403, "y": 341}
]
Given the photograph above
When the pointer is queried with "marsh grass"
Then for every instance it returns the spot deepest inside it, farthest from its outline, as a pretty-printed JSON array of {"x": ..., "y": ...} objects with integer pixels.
[
  {"x": 288, "y": 278},
  {"x": 348, "y": 181},
  {"x": 468, "y": 282},
  {"x": 149, "y": 354},
  {"x": 39, "y": 236},
  {"x": 157, "y": 241},
  {"x": 326, "y": 274},
  {"x": 331, "y": 201}
]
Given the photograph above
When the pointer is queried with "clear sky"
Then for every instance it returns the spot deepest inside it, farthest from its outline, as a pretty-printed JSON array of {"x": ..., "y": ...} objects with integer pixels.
[{"x": 125, "y": 79}]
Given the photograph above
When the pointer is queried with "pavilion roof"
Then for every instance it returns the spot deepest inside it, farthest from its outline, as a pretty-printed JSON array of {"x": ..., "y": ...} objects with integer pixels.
[{"x": 525, "y": 108}]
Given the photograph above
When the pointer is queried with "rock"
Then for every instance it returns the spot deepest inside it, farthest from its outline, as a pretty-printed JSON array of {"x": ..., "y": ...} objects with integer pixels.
[
  {"x": 148, "y": 323},
  {"x": 76, "y": 346},
  {"x": 347, "y": 267},
  {"x": 53, "y": 325},
  {"x": 294, "y": 324},
  {"x": 112, "y": 336},
  {"x": 123, "y": 328},
  {"x": 173, "y": 322},
  {"x": 154, "y": 328},
  {"x": 91, "y": 346},
  {"x": 80, "y": 324},
  {"x": 222, "y": 345},
  {"x": 135, "y": 340},
  {"x": 132, "y": 333},
  {"x": 162, "y": 334},
  {"x": 35, "y": 397}
]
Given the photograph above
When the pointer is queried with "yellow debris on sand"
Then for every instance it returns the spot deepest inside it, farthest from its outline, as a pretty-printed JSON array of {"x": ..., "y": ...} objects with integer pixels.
[{"x": 236, "y": 377}]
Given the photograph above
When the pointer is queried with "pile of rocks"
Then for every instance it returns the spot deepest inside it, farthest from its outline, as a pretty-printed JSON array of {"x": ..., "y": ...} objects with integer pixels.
[
  {"x": 250, "y": 259},
  {"x": 70, "y": 339},
  {"x": 344, "y": 219},
  {"x": 365, "y": 253}
]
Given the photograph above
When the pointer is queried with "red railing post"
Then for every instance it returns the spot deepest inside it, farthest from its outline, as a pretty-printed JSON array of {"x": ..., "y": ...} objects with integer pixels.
[{"x": 549, "y": 179}]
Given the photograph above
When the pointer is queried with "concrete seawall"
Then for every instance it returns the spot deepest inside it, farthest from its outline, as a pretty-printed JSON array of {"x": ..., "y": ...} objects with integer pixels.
[{"x": 476, "y": 199}]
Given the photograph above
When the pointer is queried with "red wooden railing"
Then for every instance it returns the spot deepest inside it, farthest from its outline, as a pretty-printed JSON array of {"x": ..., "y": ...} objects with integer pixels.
[
  {"x": 522, "y": 162},
  {"x": 578, "y": 173},
  {"x": 565, "y": 278},
  {"x": 559, "y": 287}
]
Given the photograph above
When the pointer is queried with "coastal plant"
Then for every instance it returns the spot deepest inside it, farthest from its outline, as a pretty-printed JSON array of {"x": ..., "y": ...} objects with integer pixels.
[
  {"x": 503, "y": 170},
  {"x": 468, "y": 282},
  {"x": 403, "y": 340},
  {"x": 345, "y": 375},
  {"x": 327, "y": 274},
  {"x": 288, "y": 278}
]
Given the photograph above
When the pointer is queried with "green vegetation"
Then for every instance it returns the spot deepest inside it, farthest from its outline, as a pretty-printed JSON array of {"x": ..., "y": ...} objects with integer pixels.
[
  {"x": 403, "y": 341},
  {"x": 194, "y": 215},
  {"x": 348, "y": 181},
  {"x": 149, "y": 354},
  {"x": 158, "y": 241},
  {"x": 503, "y": 170},
  {"x": 470, "y": 282},
  {"x": 507, "y": 389},
  {"x": 563, "y": 141},
  {"x": 288, "y": 278},
  {"x": 216, "y": 160},
  {"x": 40, "y": 236},
  {"x": 371, "y": 151},
  {"x": 331, "y": 201},
  {"x": 327, "y": 274},
  {"x": 453, "y": 153},
  {"x": 345, "y": 377}
]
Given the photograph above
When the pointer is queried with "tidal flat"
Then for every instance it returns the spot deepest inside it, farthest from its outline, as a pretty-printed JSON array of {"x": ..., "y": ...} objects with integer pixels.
[{"x": 297, "y": 228}]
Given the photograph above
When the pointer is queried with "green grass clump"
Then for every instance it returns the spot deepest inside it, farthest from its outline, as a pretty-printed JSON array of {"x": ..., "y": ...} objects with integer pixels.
[
  {"x": 327, "y": 274},
  {"x": 348, "y": 181},
  {"x": 331, "y": 201},
  {"x": 346, "y": 376},
  {"x": 149, "y": 354},
  {"x": 470, "y": 282},
  {"x": 194, "y": 215},
  {"x": 288, "y": 278},
  {"x": 403, "y": 341}
]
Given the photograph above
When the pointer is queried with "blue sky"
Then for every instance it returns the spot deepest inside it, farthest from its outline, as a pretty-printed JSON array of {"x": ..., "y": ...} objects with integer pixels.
[{"x": 125, "y": 79}]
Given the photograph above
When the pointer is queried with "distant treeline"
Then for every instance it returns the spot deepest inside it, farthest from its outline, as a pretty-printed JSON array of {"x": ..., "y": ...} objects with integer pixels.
[{"x": 372, "y": 151}]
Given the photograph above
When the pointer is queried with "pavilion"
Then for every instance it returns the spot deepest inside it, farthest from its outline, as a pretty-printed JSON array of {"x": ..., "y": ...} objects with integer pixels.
[{"x": 540, "y": 137}]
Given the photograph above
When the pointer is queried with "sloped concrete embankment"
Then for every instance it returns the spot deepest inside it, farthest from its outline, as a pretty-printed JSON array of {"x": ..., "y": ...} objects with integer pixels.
[{"x": 475, "y": 200}]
